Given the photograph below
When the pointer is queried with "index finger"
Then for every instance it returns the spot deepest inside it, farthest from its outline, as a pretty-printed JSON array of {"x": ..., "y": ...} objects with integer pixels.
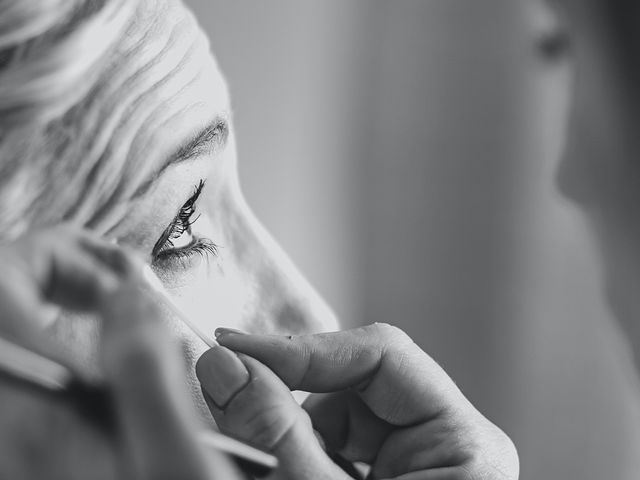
[
  {"x": 57, "y": 267},
  {"x": 399, "y": 382}
]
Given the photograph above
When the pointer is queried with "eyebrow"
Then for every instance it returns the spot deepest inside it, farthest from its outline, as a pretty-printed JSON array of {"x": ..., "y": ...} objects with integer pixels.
[{"x": 211, "y": 138}]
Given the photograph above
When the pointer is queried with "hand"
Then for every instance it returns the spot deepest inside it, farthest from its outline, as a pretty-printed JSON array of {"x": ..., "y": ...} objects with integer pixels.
[
  {"x": 53, "y": 268},
  {"x": 379, "y": 399},
  {"x": 41, "y": 437}
]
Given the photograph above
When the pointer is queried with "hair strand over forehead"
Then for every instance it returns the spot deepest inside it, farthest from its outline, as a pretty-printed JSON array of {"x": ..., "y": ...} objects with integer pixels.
[
  {"x": 48, "y": 52},
  {"x": 51, "y": 52}
]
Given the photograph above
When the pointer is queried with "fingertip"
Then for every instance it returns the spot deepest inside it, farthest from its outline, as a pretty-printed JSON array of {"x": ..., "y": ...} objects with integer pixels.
[
  {"x": 252, "y": 344},
  {"x": 236, "y": 341},
  {"x": 225, "y": 333},
  {"x": 265, "y": 413}
]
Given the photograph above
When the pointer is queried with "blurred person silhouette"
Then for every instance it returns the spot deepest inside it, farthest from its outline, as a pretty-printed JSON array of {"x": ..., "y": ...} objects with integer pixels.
[
  {"x": 600, "y": 171},
  {"x": 117, "y": 150}
]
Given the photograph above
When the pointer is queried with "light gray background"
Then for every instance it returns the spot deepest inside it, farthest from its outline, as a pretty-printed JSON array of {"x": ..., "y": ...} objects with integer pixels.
[{"x": 403, "y": 153}]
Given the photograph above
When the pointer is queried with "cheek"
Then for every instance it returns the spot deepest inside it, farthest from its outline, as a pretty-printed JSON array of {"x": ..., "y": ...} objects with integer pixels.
[{"x": 215, "y": 296}]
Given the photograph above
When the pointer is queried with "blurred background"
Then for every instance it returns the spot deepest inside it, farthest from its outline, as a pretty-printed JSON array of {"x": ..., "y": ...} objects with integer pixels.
[{"x": 403, "y": 153}]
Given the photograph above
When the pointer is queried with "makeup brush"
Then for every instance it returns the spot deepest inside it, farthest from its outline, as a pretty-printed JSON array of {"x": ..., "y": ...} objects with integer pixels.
[{"x": 154, "y": 283}]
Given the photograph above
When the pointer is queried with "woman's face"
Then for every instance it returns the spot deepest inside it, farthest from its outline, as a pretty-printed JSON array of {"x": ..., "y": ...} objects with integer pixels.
[
  {"x": 188, "y": 217},
  {"x": 601, "y": 168}
]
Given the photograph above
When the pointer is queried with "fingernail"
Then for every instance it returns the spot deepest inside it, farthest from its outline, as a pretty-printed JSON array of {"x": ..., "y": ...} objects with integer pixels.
[
  {"x": 228, "y": 331},
  {"x": 221, "y": 374}
]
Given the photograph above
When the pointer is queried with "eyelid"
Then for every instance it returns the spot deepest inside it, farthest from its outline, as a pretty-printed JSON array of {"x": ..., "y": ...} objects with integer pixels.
[
  {"x": 184, "y": 258},
  {"x": 166, "y": 234},
  {"x": 207, "y": 142}
]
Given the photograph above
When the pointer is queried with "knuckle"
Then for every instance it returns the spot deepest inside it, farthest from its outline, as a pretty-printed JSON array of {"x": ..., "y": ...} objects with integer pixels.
[
  {"x": 269, "y": 429},
  {"x": 390, "y": 333},
  {"x": 493, "y": 457},
  {"x": 305, "y": 361},
  {"x": 505, "y": 463},
  {"x": 272, "y": 427}
]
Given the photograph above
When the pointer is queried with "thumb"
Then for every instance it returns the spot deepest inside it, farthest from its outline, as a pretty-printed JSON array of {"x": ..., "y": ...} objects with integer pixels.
[
  {"x": 144, "y": 371},
  {"x": 250, "y": 402}
]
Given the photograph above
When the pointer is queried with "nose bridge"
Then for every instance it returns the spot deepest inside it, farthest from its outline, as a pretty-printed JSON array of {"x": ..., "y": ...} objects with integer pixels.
[{"x": 282, "y": 298}]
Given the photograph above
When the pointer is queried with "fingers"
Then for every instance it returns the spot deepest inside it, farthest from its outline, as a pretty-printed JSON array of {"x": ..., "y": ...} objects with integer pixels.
[
  {"x": 142, "y": 367},
  {"x": 144, "y": 371},
  {"x": 347, "y": 426},
  {"x": 60, "y": 267},
  {"x": 71, "y": 267},
  {"x": 250, "y": 402},
  {"x": 399, "y": 382}
]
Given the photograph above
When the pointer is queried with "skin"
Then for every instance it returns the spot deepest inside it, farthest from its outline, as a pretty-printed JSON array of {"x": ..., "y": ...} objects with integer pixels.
[
  {"x": 178, "y": 90},
  {"x": 42, "y": 436},
  {"x": 251, "y": 284},
  {"x": 377, "y": 398},
  {"x": 600, "y": 168},
  {"x": 383, "y": 400}
]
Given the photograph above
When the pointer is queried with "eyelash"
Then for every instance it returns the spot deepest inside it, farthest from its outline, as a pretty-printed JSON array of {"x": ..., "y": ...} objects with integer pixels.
[{"x": 164, "y": 247}]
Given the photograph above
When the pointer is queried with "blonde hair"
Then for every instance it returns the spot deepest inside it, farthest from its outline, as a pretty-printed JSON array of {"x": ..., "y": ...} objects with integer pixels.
[{"x": 52, "y": 53}]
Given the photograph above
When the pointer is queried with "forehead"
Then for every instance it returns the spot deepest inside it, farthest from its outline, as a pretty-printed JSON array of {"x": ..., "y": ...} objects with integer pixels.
[
  {"x": 168, "y": 84},
  {"x": 160, "y": 86}
]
